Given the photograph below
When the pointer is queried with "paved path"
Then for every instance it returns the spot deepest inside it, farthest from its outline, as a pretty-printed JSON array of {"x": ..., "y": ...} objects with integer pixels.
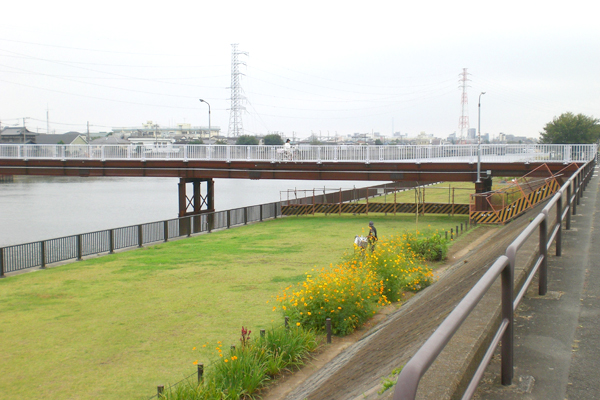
[{"x": 557, "y": 336}]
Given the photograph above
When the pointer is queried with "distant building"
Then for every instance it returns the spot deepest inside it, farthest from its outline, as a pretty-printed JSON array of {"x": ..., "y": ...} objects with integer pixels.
[
  {"x": 17, "y": 135},
  {"x": 151, "y": 142},
  {"x": 65, "y": 138},
  {"x": 472, "y": 133},
  {"x": 109, "y": 140},
  {"x": 150, "y": 129}
]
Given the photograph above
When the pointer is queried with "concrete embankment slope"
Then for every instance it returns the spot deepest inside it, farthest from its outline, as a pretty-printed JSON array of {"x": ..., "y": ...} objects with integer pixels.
[
  {"x": 356, "y": 373},
  {"x": 557, "y": 336}
]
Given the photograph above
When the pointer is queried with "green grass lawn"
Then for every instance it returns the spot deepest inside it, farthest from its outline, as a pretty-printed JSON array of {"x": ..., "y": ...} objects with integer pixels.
[
  {"x": 439, "y": 193},
  {"x": 116, "y": 326}
]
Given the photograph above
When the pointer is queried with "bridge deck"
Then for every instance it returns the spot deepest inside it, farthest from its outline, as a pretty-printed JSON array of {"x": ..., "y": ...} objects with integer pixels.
[{"x": 379, "y": 163}]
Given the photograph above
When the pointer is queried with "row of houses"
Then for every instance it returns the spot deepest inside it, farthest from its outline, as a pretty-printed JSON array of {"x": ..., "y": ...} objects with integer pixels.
[{"x": 20, "y": 135}]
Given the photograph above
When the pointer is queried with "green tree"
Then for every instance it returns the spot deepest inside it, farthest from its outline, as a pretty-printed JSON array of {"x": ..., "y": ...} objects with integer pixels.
[
  {"x": 378, "y": 142},
  {"x": 314, "y": 140},
  {"x": 570, "y": 129},
  {"x": 273, "y": 139},
  {"x": 247, "y": 140}
]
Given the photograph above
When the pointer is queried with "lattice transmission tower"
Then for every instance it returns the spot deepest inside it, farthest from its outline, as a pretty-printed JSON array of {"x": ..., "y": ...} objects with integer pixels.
[
  {"x": 236, "y": 127},
  {"x": 463, "y": 122}
]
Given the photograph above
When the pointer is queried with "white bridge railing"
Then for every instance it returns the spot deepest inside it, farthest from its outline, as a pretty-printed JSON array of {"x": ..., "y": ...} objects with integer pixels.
[{"x": 490, "y": 153}]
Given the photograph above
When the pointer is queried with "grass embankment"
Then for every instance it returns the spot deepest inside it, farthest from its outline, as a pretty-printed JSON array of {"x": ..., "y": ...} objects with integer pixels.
[{"x": 116, "y": 326}]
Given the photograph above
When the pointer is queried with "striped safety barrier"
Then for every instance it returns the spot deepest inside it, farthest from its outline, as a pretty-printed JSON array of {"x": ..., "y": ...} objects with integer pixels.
[{"x": 363, "y": 208}]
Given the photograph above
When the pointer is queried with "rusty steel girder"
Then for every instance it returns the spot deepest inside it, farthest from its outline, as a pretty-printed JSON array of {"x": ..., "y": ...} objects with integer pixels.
[{"x": 210, "y": 169}]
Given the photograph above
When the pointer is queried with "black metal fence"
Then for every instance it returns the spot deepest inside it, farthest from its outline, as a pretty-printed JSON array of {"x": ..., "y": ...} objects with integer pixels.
[{"x": 39, "y": 254}]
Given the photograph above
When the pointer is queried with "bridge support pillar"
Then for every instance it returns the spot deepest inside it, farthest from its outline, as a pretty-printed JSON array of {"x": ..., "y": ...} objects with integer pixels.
[
  {"x": 195, "y": 205},
  {"x": 482, "y": 187}
]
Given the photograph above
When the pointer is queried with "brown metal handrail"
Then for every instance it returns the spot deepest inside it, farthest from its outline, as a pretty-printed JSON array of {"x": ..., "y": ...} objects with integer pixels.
[{"x": 504, "y": 266}]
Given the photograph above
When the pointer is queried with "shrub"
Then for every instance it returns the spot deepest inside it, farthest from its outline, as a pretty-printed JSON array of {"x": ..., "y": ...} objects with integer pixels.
[
  {"x": 346, "y": 293},
  {"x": 430, "y": 248},
  {"x": 241, "y": 372}
]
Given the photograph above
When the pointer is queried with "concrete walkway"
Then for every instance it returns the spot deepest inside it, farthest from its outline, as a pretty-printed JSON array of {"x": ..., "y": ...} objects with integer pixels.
[{"x": 557, "y": 336}]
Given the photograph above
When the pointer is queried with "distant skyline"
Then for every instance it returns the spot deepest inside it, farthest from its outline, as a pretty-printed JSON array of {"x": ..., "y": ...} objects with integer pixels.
[{"x": 313, "y": 67}]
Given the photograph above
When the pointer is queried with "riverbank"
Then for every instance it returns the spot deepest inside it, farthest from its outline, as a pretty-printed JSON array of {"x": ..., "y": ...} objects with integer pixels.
[{"x": 117, "y": 326}]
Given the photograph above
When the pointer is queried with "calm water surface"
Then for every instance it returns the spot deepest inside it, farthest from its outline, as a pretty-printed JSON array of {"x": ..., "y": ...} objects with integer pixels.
[{"x": 38, "y": 208}]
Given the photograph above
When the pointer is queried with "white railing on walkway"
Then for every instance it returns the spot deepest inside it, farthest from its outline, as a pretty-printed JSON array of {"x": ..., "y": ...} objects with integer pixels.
[{"x": 490, "y": 153}]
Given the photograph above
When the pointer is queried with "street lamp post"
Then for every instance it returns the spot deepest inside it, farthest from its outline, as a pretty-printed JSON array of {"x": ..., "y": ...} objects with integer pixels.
[
  {"x": 479, "y": 139},
  {"x": 209, "y": 130}
]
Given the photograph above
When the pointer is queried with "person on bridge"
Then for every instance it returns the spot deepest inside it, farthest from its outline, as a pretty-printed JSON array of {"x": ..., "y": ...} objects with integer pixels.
[
  {"x": 287, "y": 148},
  {"x": 372, "y": 237}
]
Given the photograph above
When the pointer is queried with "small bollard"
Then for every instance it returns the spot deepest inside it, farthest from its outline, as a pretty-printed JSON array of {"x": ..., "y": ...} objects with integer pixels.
[
  {"x": 287, "y": 322},
  {"x": 451, "y": 234},
  {"x": 200, "y": 372},
  {"x": 328, "y": 329},
  {"x": 159, "y": 390},
  {"x": 456, "y": 230},
  {"x": 446, "y": 232},
  {"x": 262, "y": 333}
]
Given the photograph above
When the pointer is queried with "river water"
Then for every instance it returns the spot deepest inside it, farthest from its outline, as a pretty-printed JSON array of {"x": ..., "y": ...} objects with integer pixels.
[{"x": 39, "y": 208}]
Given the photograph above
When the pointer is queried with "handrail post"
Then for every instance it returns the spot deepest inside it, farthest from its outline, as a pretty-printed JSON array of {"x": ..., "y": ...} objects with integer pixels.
[
  {"x": 43, "y": 253},
  {"x": 79, "y": 252},
  {"x": 559, "y": 212},
  {"x": 579, "y": 188},
  {"x": 507, "y": 278},
  {"x": 568, "y": 205},
  {"x": 543, "y": 272},
  {"x": 166, "y": 230},
  {"x": 111, "y": 241},
  {"x": 1, "y": 262},
  {"x": 140, "y": 236},
  {"x": 575, "y": 190}
]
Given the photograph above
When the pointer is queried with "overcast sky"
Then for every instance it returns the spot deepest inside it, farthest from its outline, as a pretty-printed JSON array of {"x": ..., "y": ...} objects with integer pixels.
[{"x": 313, "y": 66}]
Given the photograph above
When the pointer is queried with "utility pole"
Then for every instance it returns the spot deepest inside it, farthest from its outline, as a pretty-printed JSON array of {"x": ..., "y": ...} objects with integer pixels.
[
  {"x": 88, "y": 132},
  {"x": 47, "y": 119}
]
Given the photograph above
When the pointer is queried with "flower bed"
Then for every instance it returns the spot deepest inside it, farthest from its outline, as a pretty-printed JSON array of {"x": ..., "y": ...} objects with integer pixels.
[{"x": 350, "y": 292}]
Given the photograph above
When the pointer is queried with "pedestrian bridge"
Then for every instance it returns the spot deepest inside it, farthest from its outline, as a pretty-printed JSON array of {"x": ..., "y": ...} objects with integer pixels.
[{"x": 338, "y": 162}]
